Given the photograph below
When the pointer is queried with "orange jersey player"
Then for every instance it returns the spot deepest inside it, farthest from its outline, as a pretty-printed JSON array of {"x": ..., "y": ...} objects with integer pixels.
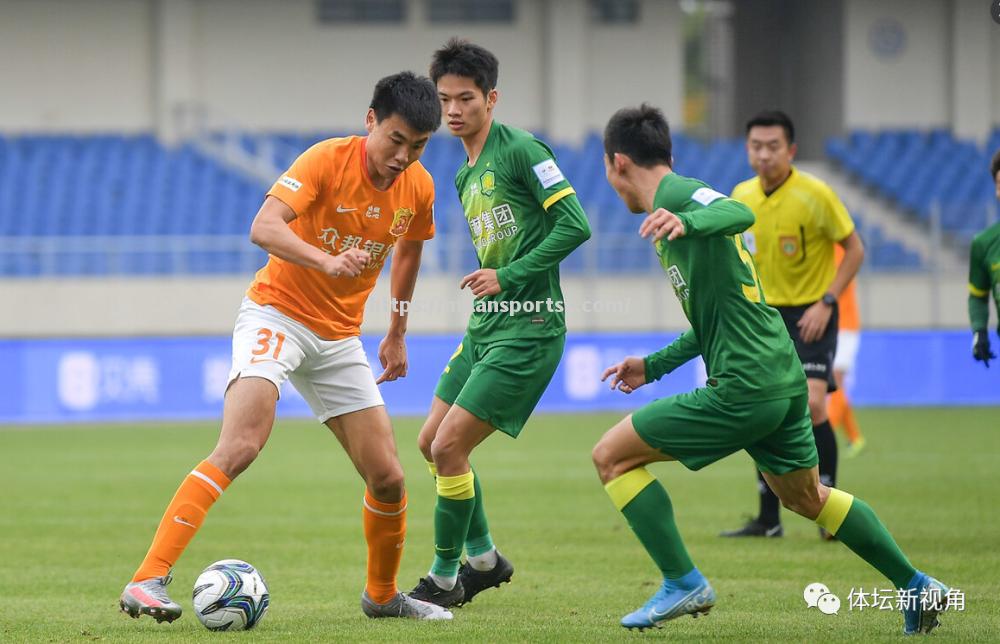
[
  {"x": 329, "y": 225},
  {"x": 848, "y": 341}
]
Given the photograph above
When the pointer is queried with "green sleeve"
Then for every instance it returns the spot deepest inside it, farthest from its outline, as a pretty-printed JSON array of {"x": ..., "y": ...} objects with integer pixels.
[
  {"x": 684, "y": 348},
  {"x": 979, "y": 285},
  {"x": 720, "y": 218},
  {"x": 570, "y": 230},
  {"x": 533, "y": 164}
]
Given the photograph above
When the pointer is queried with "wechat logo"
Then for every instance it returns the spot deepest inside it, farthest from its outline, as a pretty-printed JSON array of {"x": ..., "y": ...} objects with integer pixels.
[{"x": 817, "y": 595}]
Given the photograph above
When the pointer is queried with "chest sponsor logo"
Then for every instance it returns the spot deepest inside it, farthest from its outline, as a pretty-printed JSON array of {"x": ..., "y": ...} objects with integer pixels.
[
  {"x": 548, "y": 173},
  {"x": 333, "y": 243},
  {"x": 492, "y": 225},
  {"x": 488, "y": 183},
  {"x": 789, "y": 245},
  {"x": 679, "y": 284},
  {"x": 290, "y": 183},
  {"x": 401, "y": 220},
  {"x": 373, "y": 212}
]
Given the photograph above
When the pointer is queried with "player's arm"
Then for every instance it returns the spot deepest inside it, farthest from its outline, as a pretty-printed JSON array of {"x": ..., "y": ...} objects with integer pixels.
[
  {"x": 838, "y": 226},
  {"x": 854, "y": 256},
  {"x": 570, "y": 229},
  {"x": 634, "y": 372},
  {"x": 721, "y": 217},
  {"x": 403, "y": 279},
  {"x": 979, "y": 305},
  {"x": 678, "y": 352},
  {"x": 532, "y": 164},
  {"x": 270, "y": 231}
]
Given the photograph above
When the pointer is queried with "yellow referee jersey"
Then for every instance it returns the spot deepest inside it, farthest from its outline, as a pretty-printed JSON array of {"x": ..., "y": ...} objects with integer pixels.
[{"x": 793, "y": 237}]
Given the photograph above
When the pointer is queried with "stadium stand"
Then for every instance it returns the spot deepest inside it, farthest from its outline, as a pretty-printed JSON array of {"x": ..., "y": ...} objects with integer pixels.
[
  {"x": 920, "y": 170},
  {"x": 125, "y": 204}
]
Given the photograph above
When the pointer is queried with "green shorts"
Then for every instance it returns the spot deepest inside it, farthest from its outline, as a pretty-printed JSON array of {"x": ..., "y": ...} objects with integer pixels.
[
  {"x": 697, "y": 429},
  {"x": 500, "y": 382}
]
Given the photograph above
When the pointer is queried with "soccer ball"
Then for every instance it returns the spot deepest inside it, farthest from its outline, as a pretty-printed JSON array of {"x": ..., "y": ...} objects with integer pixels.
[{"x": 230, "y": 595}]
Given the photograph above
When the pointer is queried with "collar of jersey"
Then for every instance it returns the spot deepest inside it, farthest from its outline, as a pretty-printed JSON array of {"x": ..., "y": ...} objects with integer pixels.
[
  {"x": 792, "y": 175},
  {"x": 494, "y": 127}
]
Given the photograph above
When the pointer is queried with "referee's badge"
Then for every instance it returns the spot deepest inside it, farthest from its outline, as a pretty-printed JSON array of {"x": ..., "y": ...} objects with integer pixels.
[{"x": 789, "y": 245}]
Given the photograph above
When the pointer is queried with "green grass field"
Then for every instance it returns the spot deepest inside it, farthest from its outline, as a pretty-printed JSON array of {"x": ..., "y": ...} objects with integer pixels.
[{"x": 80, "y": 505}]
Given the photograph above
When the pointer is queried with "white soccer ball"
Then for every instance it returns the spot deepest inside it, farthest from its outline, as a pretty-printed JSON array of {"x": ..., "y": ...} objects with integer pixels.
[{"x": 230, "y": 595}]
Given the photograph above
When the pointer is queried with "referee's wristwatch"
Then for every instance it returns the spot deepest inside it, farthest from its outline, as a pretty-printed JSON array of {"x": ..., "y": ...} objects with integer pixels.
[{"x": 828, "y": 299}]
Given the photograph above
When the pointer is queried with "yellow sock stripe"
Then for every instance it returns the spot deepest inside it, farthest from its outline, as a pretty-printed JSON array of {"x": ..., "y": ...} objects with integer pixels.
[
  {"x": 627, "y": 486},
  {"x": 978, "y": 292},
  {"x": 838, "y": 504},
  {"x": 459, "y": 488},
  {"x": 432, "y": 468},
  {"x": 565, "y": 192}
]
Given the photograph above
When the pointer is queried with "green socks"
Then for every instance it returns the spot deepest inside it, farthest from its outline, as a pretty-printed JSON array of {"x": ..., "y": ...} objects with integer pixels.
[
  {"x": 858, "y": 527},
  {"x": 452, "y": 515},
  {"x": 647, "y": 508}
]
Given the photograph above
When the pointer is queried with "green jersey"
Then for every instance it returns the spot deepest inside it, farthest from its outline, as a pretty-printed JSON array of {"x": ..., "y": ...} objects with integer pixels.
[
  {"x": 984, "y": 276},
  {"x": 746, "y": 348},
  {"x": 524, "y": 218}
]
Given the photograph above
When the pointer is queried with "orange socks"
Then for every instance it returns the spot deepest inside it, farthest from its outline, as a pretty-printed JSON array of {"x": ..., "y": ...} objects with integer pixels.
[
  {"x": 385, "y": 531},
  {"x": 841, "y": 415},
  {"x": 185, "y": 514}
]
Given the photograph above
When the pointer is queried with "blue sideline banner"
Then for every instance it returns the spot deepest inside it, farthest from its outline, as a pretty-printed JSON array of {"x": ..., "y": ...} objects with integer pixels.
[{"x": 68, "y": 380}]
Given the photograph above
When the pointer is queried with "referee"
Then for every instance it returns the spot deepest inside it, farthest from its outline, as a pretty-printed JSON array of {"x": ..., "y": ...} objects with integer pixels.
[{"x": 799, "y": 219}]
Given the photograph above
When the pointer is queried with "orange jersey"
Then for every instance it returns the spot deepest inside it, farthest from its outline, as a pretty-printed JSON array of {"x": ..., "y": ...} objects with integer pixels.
[
  {"x": 338, "y": 208},
  {"x": 850, "y": 319}
]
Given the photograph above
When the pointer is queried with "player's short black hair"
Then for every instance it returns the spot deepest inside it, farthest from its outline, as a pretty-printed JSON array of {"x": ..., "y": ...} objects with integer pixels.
[
  {"x": 413, "y": 97},
  {"x": 640, "y": 133},
  {"x": 768, "y": 118},
  {"x": 995, "y": 165},
  {"x": 462, "y": 58}
]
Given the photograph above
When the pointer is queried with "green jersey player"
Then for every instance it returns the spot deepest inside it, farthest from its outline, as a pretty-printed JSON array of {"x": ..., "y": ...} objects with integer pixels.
[
  {"x": 524, "y": 219},
  {"x": 755, "y": 398},
  {"x": 984, "y": 278}
]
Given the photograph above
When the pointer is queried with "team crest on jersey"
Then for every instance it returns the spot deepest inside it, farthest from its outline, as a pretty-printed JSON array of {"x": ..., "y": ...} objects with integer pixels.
[
  {"x": 401, "y": 220},
  {"x": 789, "y": 245},
  {"x": 488, "y": 183}
]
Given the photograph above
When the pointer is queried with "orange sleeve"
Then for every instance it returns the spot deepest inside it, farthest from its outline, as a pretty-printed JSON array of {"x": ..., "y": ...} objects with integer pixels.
[
  {"x": 300, "y": 186},
  {"x": 423, "y": 219}
]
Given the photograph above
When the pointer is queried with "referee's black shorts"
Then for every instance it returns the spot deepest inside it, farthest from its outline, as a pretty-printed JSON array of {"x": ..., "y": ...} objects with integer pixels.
[{"x": 817, "y": 357}]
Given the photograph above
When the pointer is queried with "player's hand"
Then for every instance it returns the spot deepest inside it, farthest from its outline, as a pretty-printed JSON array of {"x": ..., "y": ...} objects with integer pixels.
[
  {"x": 349, "y": 263},
  {"x": 981, "y": 347},
  {"x": 629, "y": 374},
  {"x": 812, "y": 324},
  {"x": 392, "y": 355},
  {"x": 662, "y": 223},
  {"x": 482, "y": 282}
]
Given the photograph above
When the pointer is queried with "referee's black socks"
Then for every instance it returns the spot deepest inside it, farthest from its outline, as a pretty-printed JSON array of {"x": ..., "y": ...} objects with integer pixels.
[{"x": 826, "y": 445}]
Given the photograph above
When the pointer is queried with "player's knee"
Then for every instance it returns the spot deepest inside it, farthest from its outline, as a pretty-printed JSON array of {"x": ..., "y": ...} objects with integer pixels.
[
  {"x": 604, "y": 461},
  {"x": 804, "y": 502},
  {"x": 424, "y": 440},
  {"x": 387, "y": 483},
  {"x": 444, "y": 447},
  {"x": 235, "y": 456}
]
